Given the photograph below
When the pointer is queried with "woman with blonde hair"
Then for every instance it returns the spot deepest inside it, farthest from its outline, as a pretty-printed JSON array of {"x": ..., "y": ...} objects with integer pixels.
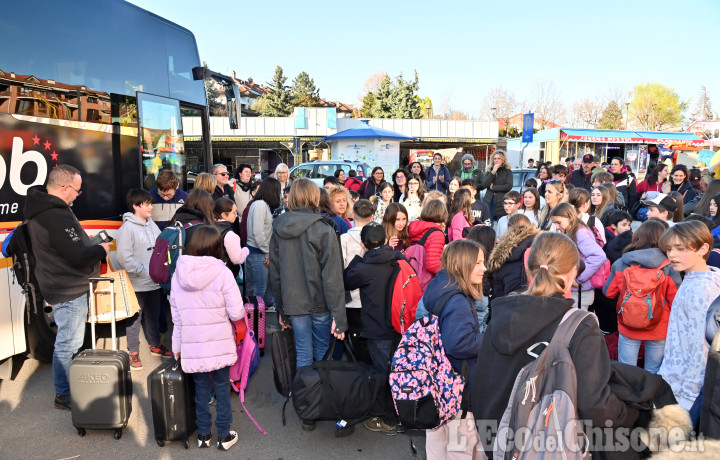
[
  {"x": 600, "y": 202},
  {"x": 553, "y": 265},
  {"x": 554, "y": 195},
  {"x": 341, "y": 202},
  {"x": 205, "y": 181},
  {"x": 451, "y": 296},
  {"x": 395, "y": 223},
  {"x": 498, "y": 181},
  {"x": 580, "y": 199}
]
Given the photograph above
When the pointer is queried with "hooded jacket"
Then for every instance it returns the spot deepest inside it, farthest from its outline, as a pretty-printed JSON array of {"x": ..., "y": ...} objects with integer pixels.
[
  {"x": 645, "y": 258},
  {"x": 591, "y": 253},
  {"x": 306, "y": 267},
  {"x": 434, "y": 245},
  {"x": 372, "y": 274},
  {"x": 186, "y": 216},
  {"x": 616, "y": 245},
  {"x": 506, "y": 262},
  {"x": 439, "y": 185},
  {"x": 204, "y": 297},
  {"x": 351, "y": 245},
  {"x": 135, "y": 241},
  {"x": 163, "y": 210},
  {"x": 579, "y": 179},
  {"x": 502, "y": 182},
  {"x": 369, "y": 188},
  {"x": 65, "y": 257},
  {"x": 458, "y": 322},
  {"x": 521, "y": 321},
  {"x": 627, "y": 186}
]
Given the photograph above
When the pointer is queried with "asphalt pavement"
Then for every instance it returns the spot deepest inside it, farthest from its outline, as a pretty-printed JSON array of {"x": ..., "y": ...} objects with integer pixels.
[{"x": 30, "y": 427}]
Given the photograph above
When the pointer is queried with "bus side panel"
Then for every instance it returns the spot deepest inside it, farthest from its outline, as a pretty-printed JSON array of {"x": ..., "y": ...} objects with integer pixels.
[{"x": 12, "y": 307}]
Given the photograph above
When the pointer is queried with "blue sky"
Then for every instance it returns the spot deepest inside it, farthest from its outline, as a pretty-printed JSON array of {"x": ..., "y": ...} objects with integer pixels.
[{"x": 461, "y": 50}]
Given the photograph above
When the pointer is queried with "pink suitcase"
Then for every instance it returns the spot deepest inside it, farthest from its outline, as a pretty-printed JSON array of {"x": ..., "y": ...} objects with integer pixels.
[{"x": 255, "y": 308}]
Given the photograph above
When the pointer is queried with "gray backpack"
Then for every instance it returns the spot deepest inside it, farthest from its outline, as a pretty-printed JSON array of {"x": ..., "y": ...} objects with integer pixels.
[{"x": 541, "y": 420}]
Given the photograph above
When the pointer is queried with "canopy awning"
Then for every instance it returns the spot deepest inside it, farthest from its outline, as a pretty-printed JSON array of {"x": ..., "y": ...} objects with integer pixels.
[
  {"x": 630, "y": 137},
  {"x": 366, "y": 131}
]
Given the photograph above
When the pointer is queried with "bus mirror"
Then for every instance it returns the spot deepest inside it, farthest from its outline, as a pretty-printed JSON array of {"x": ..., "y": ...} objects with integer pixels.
[{"x": 232, "y": 95}]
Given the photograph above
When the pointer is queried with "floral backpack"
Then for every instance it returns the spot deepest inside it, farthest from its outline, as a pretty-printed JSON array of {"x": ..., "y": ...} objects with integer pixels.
[{"x": 427, "y": 392}]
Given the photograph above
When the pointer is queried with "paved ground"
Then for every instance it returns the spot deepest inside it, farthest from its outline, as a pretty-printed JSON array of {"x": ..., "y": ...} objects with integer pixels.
[{"x": 31, "y": 428}]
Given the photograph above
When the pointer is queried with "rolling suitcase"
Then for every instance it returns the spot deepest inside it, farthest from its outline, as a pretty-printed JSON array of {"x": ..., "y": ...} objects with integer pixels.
[
  {"x": 255, "y": 308},
  {"x": 100, "y": 381},
  {"x": 172, "y": 396},
  {"x": 284, "y": 363}
]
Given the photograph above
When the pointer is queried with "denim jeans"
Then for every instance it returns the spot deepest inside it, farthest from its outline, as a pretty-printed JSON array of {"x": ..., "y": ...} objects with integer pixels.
[
  {"x": 203, "y": 392},
  {"x": 628, "y": 350},
  {"x": 254, "y": 264},
  {"x": 312, "y": 336},
  {"x": 70, "y": 318},
  {"x": 151, "y": 310},
  {"x": 381, "y": 352}
]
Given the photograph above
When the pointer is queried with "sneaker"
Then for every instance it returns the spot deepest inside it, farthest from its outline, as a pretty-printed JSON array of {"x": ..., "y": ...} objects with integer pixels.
[
  {"x": 160, "y": 350},
  {"x": 342, "y": 432},
  {"x": 62, "y": 402},
  {"x": 204, "y": 440},
  {"x": 135, "y": 363},
  {"x": 308, "y": 425},
  {"x": 213, "y": 401},
  {"x": 226, "y": 442},
  {"x": 378, "y": 425},
  {"x": 270, "y": 308}
]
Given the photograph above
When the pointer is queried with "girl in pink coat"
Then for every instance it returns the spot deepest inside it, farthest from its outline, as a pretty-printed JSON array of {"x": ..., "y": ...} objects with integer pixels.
[{"x": 204, "y": 297}]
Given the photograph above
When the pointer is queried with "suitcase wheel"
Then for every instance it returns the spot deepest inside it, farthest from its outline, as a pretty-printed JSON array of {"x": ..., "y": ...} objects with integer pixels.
[
  {"x": 262, "y": 352},
  {"x": 118, "y": 434},
  {"x": 160, "y": 442},
  {"x": 186, "y": 443},
  {"x": 81, "y": 431}
]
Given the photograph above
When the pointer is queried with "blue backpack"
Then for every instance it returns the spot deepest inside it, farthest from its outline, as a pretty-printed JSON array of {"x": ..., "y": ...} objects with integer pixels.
[{"x": 168, "y": 248}]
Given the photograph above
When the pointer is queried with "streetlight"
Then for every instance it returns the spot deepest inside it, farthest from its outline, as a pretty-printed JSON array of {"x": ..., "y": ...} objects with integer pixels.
[
  {"x": 653, "y": 116},
  {"x": 627, "y": 114}
]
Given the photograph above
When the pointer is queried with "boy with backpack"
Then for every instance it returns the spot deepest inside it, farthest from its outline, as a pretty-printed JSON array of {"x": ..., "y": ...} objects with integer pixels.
[
  {"x": 135, "y": 240},
  {"x": 371, "y": 274}
]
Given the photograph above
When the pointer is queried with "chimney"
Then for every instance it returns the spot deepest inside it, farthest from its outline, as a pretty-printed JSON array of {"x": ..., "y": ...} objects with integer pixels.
[
  {"x": 250, "y": 80},
  {"x": 233, "y": 75}
]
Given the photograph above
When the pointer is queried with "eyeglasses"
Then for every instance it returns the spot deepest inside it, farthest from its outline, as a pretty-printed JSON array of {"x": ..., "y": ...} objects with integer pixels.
[
  {"x": 467, "y": 164},
  {"x": 79, "y": 192},
  {"x": 167, "y": 196},
  {"x": 399, "y": 176},
  {"x": 282, "y": 172},
  {"x": 379, "y": 174},
  {"x": 414, "y": 182},
  {"x": 222, "y": 174}
]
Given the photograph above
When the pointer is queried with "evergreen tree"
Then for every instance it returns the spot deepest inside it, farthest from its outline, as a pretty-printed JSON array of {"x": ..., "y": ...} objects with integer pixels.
[
  {"x": 216, "y": 107},
  {"x": 612, "y": 117},
  {"x": 403, "y": 101},
  {"x": 382, "y": 107},
  {"x": 278, "y": 101},
  {"x": 305, "y": 94},
  {"x": 367, "y": 105}
]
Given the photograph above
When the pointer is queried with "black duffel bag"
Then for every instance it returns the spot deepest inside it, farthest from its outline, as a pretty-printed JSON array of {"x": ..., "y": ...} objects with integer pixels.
[{"x": 337, "y": 390}]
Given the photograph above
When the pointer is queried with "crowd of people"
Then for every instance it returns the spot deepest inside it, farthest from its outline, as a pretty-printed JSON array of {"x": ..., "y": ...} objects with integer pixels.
[{"x": 500, "y": 269}]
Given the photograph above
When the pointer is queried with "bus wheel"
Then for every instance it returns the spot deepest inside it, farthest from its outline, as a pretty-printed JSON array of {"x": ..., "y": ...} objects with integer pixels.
[{"x": 41, "y": 331}]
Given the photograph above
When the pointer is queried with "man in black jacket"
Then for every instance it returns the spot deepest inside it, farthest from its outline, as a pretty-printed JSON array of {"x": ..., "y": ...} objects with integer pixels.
[
  {"x": 582, "y": 177},
  {"x": 65, "y": 260}
]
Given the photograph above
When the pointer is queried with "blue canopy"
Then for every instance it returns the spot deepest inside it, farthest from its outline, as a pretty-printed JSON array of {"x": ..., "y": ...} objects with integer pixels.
[{"x": 365, "y": 131}]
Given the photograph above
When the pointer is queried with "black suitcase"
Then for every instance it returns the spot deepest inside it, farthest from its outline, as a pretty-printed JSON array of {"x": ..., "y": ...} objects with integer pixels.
[
  {"x": 172, "y": 395},
  {"x": 100, "y": 381},
  {"x": 284, "y": 363}
]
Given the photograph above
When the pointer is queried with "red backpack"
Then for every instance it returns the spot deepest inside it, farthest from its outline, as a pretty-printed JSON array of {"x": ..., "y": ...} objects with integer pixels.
[
  {"x": 640, "y": 307},
  {"x": 405, "y": 293}
]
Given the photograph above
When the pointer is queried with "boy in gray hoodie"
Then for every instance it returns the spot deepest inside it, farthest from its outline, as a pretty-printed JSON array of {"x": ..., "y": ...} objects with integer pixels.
[{"x": 135, "y": 241}]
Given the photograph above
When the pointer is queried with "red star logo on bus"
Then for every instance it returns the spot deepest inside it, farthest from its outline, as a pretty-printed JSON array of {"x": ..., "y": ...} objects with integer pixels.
[
  {"x": 36, "y": 140},
  {"x": 47, "y": 145},
  {"x": 54, "y": 156}
]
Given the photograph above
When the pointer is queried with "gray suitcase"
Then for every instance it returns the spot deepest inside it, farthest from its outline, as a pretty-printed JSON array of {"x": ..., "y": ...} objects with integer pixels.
[{"x": 100, "y": 381}]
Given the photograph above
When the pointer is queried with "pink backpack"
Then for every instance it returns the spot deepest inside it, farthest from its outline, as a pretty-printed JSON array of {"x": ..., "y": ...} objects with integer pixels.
[
  {"x": 415, "y": 255},
  {"x": 248, "y": 361}
]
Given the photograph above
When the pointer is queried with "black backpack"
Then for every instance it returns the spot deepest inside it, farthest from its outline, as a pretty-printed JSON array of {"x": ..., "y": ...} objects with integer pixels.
[{"x": 20, "y": 249}]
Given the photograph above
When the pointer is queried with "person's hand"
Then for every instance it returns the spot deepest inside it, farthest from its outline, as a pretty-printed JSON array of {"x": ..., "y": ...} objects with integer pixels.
[
  {"x": 282, "y": 323},
  {"x": 393, "y": 241},
  {"x": 491, "y": 186},
  {"x": 644, "y": 196},
  {"x": 106, "y": 246},
  {"x": 177, "y": 356},
  {"x": 442, "y": 178},
  {"x": 266, "y": 262},
  {"x": 434, "y": 180},
  {"x": 495, "y": 168},
  {"x": 338, "y": 335},
  {"x": 231, "y": 182}
]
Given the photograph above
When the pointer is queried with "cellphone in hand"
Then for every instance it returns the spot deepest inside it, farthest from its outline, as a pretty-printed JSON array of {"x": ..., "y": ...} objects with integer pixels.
[{"x": 101, "y": 237}]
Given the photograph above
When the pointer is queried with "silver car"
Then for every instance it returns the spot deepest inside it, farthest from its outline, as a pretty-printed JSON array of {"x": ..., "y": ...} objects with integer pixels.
[{"x": 319, "y": 170}]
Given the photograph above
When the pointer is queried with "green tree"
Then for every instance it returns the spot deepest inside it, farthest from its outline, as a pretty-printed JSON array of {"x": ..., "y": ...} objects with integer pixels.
[
  {"x": 382, "y": 106},
  {"x": 304, "y": 92},
  {"x": 215, "y": 105},
  {"x": 655, "y": 107},
  {"x": 278, "y": 101},
  {"x": 367, "y": 105},
  {"x": 403, "y": 99},
  {"x": 612, "y": 117},
  {"x": 425, "y": 106}
]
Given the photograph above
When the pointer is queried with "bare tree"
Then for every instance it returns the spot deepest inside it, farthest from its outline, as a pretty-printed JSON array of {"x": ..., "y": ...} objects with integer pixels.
[
  {"x": 372, "y": 84},
  {"x": 586, "y": 113},
  {"x": 546, "y": 104},
  {"x": 499, "y": 104}
]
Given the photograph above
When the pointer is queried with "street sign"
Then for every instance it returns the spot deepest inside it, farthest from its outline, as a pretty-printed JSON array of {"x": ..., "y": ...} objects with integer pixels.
[{"x": 528, "y": 122}]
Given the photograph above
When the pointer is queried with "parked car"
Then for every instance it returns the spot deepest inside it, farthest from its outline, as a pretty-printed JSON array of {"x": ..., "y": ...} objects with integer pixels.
[{"x": 319, "y": 170}]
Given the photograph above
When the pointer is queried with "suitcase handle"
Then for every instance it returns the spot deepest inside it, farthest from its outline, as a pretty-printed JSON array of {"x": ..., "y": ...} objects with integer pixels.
[{"x": 93, "y": 310}]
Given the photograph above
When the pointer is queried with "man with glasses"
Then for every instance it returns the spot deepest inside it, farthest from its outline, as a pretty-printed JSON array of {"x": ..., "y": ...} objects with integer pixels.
[
  {"x": 66, "y": 259},
  {"x": 167, "y": 198},
  {"x": 469, "y": 171}
]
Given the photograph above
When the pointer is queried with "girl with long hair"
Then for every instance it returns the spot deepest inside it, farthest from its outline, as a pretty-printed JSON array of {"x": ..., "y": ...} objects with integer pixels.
[
  {"x": 679, "y": 182},
  {"x": 341, "y": 203},
  {"x": 460, "y": 214},
  {"x": 417, "y": 168},
  {"x": 225, "y": 212},
  {"x": 531, "y": 205},
  {"x": 385, "y": 197},
  {"x": 395, "y": 223},
  {"x": 566, "y": 221},
  {"x": 600, "y": 202},
  {"x": 371, "y": 186},
  {"x": 400, "y": 183},
  {"x": 580, "y": 199},
  {"x": 554, "y": 195},
  {"x": 703, "y": 206},
  {"x": 259, "y": 231},
  {"x": 326, "y": 208},
  {"x": 412, "y": 200},
  {"x": 453, "y": 187}
]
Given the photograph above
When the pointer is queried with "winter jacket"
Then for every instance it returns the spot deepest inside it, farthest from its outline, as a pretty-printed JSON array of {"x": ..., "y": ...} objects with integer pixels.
[
  {"x": 64, "y": 255},
  {"x": 353, "y": 183},
  {"x": 458, "y": 321},
  {"x": 371, "y": 274},
  {"x": 581, "y": 180},
  {"x": 645, "y": 258},
  {"x": 164, "y": 210},
  {"x": 259, "y": 226},
  {"x": 439, "y": 185},
  {"x": 475, "y": 174},
  {"x": 351, "y": 245},
  {"x": 502, "y": 183},
  {"x": 506, "y": 261},
  {"x": 235, "y": 254},
  {"x": 651, "y": 190},
  {"x": 242, "y": 197},
  {"x": 588, "y": 219},
  {"x": 380, "y": 208},
  {"x": 306, "y": 266},
  {"x": 520, "y": 321},
  {"x": 369, "y": 188},
  {"x": 616, "y": 245},
  {"x": 685, "y": 189},
  {"x": 686, "y": 349},
  {"x": 204, "y": 297},
  {"x": 134, "y": 239},
  {"x": 457, "y": 224},
  {"x": 592, "y": 254},
  {"x": 225, "y": 191},
  {"x": 434, "y": 244},
  {"x": 626, "y": 186},
  {"x": 413, "y": 205}
]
